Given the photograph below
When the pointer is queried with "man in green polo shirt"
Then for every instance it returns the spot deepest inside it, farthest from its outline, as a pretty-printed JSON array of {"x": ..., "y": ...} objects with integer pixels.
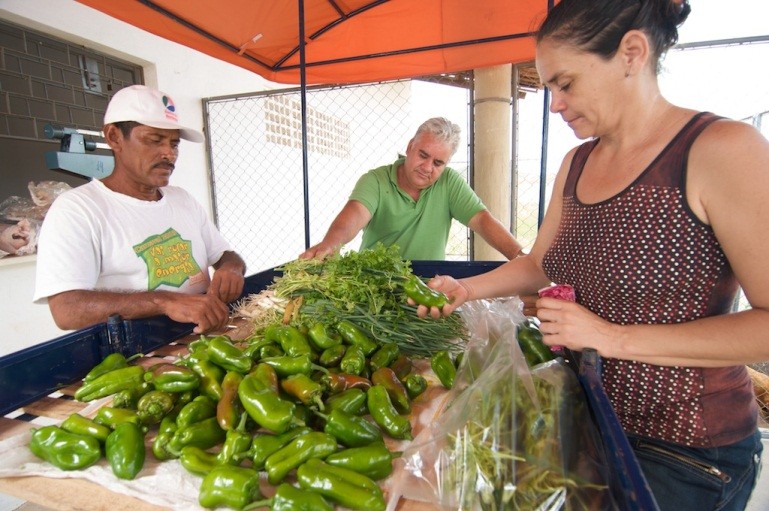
[{"x": 411, "y": 203}]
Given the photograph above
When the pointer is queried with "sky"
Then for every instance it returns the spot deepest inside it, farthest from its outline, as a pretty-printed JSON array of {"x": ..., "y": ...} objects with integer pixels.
[{"x": 732, "y": 81}]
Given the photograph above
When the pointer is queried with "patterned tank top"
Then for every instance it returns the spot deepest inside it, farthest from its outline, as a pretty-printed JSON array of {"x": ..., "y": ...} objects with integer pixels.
[{"x": 643, "y": 257}]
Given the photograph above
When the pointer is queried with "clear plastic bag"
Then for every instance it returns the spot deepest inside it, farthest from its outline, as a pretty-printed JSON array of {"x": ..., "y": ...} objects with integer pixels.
[
  {"x": 509, "y": 437},
  {"x": 45, "y": 192},
  {"x": 34, "y": 207}
]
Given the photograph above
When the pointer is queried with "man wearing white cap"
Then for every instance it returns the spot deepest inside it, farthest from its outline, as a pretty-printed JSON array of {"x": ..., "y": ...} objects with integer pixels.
[{"x": 129, "y": 244}]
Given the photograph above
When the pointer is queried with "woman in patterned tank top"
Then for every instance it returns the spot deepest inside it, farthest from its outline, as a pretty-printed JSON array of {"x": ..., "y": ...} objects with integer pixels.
[{"x": 656, "y": 221}]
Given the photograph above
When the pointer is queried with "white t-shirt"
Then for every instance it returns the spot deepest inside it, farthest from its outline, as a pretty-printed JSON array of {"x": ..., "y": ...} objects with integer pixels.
[{"x": 95, "y": 239}]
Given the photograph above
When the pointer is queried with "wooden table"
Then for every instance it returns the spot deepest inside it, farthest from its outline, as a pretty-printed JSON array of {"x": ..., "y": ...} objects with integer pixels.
[{"x": 74, "y": 494}]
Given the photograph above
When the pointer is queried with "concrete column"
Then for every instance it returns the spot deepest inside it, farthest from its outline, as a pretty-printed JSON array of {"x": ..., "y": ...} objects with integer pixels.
[{"x": 492, "y": 139}]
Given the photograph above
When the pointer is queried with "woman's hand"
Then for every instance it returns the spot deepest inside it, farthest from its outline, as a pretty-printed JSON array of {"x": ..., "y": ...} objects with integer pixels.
[
  {"x": 457, "y": 293},
  {"x": 571, "y": 325}
]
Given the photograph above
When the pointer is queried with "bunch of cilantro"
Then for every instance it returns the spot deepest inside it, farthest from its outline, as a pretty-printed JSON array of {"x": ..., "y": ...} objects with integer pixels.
[{"x": 366, "y": 288}]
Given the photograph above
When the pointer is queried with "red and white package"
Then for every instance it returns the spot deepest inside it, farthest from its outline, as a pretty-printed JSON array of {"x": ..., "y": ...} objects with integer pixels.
[{"x": 560, "y": 291}]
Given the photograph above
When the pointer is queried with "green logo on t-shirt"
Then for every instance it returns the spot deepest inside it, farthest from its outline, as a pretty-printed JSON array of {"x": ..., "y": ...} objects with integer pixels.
[{"x": 169, "y": 259}]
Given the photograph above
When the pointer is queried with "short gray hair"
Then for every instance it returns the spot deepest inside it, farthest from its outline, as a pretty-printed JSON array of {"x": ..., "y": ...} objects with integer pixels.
[{"x": 443, "y": 130}]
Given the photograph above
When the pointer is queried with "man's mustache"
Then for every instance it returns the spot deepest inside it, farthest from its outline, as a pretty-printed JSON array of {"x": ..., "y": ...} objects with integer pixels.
[{"x": 164, "y": 164}]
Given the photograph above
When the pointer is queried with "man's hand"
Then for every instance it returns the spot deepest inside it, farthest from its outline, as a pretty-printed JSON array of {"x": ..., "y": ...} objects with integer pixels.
[
  {"x": 207, "y": 312},
  {"x": 228, "y": 281},
  {"x": 226, "y": 284},
  {"x": 319, "y": 251}
]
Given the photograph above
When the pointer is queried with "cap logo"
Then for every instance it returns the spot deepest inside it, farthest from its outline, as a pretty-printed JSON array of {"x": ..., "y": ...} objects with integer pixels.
[{"x": 170, "y": 109}]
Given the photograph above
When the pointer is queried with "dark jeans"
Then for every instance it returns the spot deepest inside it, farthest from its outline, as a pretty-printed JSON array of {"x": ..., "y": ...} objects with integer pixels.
[{"x": 697, "y": 479}]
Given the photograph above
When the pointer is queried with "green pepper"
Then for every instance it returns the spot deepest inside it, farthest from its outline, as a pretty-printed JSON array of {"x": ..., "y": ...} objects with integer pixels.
[
  {"x": 324, "y": 337},
  {"x": 415, "y": 385},
  {"x": 237, "y": 442},
  {"x": 166, "y": 431},
  {"x": 199, "y": 347},
  {"x": 211, "y": 376},
  {"x": 422, "y": 294},
  {"x": 385, "y": 415},
  {"x": 354, "y": 360},
  {"x": 399, "y": 396},
  {"x": 286, "y": 366},
  {"x": 172, "y": 377},
  {"x": 264, "y": 445},
  {"x": 229, "y": 486},
  {"x": 530, "y": 340},
  {"x": 271, "y": 332},
  {"x": 110, "y": 383},
  {"x": 125, "y": 451},
  {"x": 266, "y": 376},
  {"x": 350, "y": 430},
  {"x": 202, "y": 407},
  {"x": 263, "y": 405},
  {"x": 373, "y": 460},
  {"x": 384, "y": 356},
  {"x": 444, "y": 368},
  {"x": 270, "y": 350},
  {"x": 354, "y": 336},
  {"x": 254, "y": 347},
  {"x": 183, "y": 399},
  {"x": 154, "y": 405},
  {"x": 334, "y": 383},
  {"x": 229, "y": 409},
  {"x": 351, "y": 401},
  {"x": 110, "y": 363},
  {"x": 204, "y": 434},
  {"x": 402, "y": 366},
  {"x": 112, "y": 417},
  {"x": 222, "y": 352},
  {"x": 343, "y": 486},
  {"x": 301, "y": 387},
  {"x": 80, "y": 425},
  {"x": 314, "y": 444},
  {"x": 331, "y": 357},
  {"x": 291, "y": 498},
  {"x": 129, "y": 398},
  {"x": 293, "y": 341},
  {"x": 198, "y": 461},
  {"x": 302, "y": 414},
  {"x": 64, "y": 450}
]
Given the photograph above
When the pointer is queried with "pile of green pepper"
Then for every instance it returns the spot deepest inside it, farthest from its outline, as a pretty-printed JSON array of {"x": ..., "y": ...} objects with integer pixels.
[{"x": 314, "y": 403}]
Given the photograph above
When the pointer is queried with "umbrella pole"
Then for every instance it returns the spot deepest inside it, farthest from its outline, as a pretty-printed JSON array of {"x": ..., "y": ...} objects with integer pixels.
[{"x": 303, "y": 95}]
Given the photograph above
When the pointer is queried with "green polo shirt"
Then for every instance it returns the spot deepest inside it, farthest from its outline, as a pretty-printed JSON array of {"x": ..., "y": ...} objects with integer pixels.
[{"x": 419, "y": 228}]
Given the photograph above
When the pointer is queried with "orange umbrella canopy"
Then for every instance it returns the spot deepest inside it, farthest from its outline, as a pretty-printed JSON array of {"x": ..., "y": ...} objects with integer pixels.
[{"x": 346, "y": 41}]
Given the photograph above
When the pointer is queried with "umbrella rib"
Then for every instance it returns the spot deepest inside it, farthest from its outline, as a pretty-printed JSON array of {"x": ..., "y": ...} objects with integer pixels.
[
  {"x": 406, "y": 51},
  {"x": 342, "y": 17},
  {"x": 200, "y": 31}
]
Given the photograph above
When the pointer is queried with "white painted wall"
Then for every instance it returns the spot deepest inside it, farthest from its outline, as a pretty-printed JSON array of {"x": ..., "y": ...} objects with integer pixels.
[{"x": 185, "y": 74}]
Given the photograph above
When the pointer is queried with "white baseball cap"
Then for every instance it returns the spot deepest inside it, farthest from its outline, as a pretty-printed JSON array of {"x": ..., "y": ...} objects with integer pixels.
[{"x": 150, "y": 107}]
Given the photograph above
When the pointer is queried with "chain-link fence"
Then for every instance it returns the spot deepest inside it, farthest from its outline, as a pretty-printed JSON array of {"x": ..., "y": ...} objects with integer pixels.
[{"x": 257, "y": 160}]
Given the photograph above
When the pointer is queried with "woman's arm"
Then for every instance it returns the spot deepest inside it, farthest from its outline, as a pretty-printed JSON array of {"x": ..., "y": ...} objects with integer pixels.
[
  {"x": 519, "y": 276},
  {"x": 727, "y": 188}
]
